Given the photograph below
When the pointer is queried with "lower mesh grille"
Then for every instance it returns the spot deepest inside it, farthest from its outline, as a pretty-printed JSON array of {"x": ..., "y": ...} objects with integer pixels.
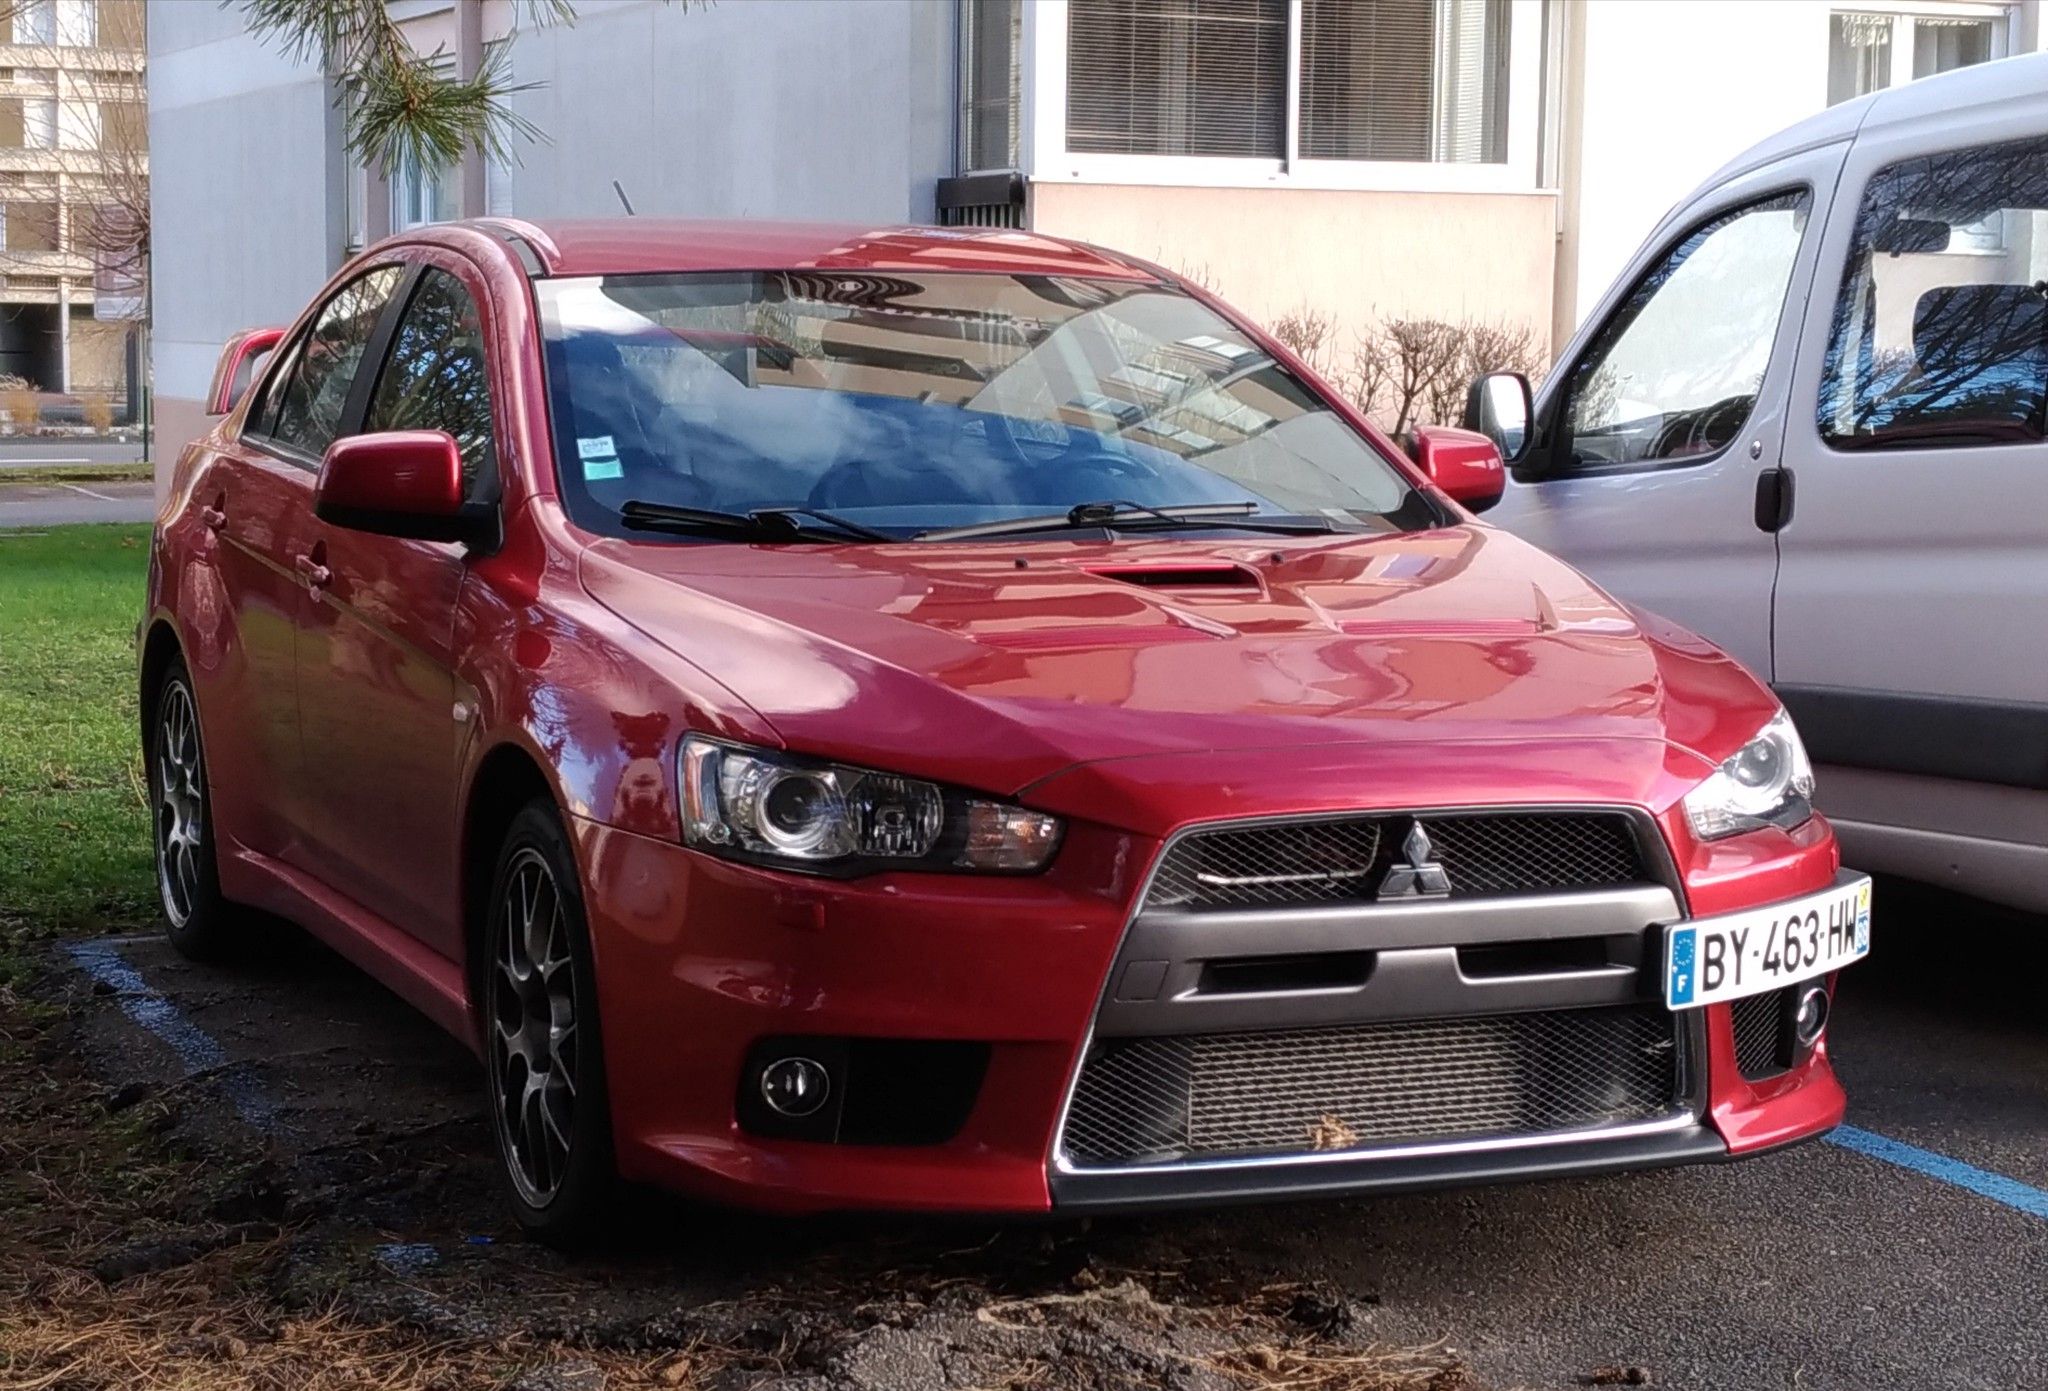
[
  {"x": 1763, "y": 1033},
  {"x": 1394, "y": 1082}
]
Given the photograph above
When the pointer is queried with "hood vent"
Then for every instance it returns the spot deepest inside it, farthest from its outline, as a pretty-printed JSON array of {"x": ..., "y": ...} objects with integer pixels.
[{"x": 1224, "y": 575}]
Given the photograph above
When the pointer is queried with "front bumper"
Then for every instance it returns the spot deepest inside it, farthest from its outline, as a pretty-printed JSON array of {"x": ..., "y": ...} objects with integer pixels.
[{"x": 699, "y": 960}]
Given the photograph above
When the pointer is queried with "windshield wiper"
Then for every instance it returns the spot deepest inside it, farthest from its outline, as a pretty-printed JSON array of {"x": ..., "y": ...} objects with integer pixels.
[
  {"x": 1115, "y": 513},
  {"x": 762, "y": 523}
]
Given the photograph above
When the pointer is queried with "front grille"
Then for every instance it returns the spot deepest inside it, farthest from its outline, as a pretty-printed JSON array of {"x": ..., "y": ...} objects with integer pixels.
[
  {"x": 1295, "y": 1091},
  {"x": 1344, "y": 859},
  {"x": 1763, "y": 1033}
]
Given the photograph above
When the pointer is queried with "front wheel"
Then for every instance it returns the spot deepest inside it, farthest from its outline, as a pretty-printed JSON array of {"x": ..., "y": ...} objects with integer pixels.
[{"x": 542, "y": 1055}]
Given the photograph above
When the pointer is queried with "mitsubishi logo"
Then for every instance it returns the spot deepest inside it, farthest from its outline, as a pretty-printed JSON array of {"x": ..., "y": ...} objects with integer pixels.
[{"x": 1421, "y": 876}]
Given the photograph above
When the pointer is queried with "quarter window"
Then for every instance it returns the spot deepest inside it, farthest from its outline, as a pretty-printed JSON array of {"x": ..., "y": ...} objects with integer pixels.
[
  {"x": 1674, "y": 373},
  {"x": 435, "y": 377},
  {"x": 307, "y": 397},
  {"x": 1940, "y": 333}
]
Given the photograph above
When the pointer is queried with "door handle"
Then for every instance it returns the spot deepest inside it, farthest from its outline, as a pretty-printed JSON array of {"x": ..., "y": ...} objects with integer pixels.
[
  {"x": 1773, "y": 499},
  {"x": 317, "y": 575},
  {"x": 214, "y": 518}
]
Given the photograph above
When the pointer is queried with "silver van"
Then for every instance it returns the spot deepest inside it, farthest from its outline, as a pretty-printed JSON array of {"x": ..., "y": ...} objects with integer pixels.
[{"x": 1807, "y": 422}]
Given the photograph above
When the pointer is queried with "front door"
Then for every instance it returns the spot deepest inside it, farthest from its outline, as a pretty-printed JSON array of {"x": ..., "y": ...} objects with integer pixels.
[
  {"x": 382, "y": 718},
  {"x": 1913, "y": 595},
  {"x": 1668, "y": 409}
]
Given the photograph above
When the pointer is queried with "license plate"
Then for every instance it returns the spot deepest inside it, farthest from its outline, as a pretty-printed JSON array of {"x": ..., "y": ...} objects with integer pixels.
[{"x": 1710, "y": 960}]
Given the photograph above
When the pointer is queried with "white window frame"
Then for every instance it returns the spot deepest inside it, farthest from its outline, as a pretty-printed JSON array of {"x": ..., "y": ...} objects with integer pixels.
[
  {"x": 2004, "y": 35},
  {"x": 1046, "y": 158}
]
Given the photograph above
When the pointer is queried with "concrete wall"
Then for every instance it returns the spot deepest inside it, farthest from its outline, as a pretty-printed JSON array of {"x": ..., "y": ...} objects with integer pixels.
[
  {"x": 1360, "y": 257},
  {"x": 1672, "y": 91},
  {"x": 750, "y": 108},
  {"x": 246, "y": 205}
]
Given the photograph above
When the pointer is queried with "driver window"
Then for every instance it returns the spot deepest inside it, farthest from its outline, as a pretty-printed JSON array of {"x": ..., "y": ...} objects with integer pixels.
[{"x": 1673, "y": 375}]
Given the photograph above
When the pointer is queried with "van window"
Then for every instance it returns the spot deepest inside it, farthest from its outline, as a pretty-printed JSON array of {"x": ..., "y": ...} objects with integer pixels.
[
  {"x": 1940, "y": 333},
  {"x": 1672, "y": 376}
]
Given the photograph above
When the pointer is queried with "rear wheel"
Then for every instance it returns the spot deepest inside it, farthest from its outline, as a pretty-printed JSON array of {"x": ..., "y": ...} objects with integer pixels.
[
  {"x": 541, "y": 1050},
  {"x": 200, "y": 923}
]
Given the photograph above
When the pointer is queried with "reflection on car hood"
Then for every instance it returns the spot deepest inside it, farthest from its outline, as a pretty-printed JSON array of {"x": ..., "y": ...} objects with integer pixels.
[{"x": 1021, "y": 658}]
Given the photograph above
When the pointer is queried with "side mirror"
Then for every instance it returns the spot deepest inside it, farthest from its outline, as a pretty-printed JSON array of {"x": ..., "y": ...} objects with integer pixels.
[
  {"x": 1500, "y": 407},
  {"x": 395, "y": 483},
  {"x": 238, "y": 365},
  {"x": 1465, "y": 464}
]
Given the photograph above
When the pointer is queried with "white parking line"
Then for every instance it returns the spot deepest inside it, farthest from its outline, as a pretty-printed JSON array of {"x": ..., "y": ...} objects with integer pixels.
[{"x": 89, "y": 492}]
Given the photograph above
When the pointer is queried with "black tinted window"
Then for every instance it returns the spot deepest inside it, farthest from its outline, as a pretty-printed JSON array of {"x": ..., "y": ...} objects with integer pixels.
[
  {"x": 306, "y": 400},
  {"x": 1940, "y": 334},
  {"x": 435, "y": 377}
]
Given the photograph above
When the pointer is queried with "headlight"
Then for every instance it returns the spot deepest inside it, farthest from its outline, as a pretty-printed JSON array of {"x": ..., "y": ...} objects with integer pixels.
[
  {"x": 1767, "y": 782},
  {"x": 797, "y": 813}
]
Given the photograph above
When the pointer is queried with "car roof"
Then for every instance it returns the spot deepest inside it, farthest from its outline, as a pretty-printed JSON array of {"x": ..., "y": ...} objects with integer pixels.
[
  {"x": 630, "y": 245},
  {"x": 1985, "y": 85}
]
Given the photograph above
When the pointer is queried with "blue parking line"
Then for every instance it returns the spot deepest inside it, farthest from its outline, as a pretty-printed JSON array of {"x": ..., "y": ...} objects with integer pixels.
[
  {"x": 196, "y": 1048},
  {"x": 1982, "y": 1182}
]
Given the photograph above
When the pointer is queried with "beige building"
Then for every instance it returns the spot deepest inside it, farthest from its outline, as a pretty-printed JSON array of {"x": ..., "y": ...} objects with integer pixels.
[{"x": 72, "y": 142}]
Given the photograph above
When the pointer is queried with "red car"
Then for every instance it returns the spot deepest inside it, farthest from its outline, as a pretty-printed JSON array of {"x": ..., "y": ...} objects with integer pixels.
[{"x": 931, "y": 719}]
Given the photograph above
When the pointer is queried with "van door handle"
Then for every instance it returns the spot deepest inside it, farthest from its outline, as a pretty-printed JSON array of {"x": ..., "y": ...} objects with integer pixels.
[
  {"x": 1774, "y": 499},
  {"x": 213, "y": 518},
  {"x": 317, "y": 575}
]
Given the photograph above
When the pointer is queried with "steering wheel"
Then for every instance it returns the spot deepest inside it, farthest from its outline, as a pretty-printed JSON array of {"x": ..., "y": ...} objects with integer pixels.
[{"x": 1701, "y": 431}]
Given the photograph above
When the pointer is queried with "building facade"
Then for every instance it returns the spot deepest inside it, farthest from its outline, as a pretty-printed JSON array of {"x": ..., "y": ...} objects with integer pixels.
[
  {"x": 72, "y": 155},
  {"x": 1351, "y": 163}
]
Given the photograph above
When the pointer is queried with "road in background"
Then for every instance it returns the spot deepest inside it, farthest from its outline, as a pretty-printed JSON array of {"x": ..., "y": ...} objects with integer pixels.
[
  {"x": 46, "y": 453},
  {"x": 37, "y": 505}
]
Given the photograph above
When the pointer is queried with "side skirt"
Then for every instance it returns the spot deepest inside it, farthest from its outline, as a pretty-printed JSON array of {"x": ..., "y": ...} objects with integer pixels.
[{"x": 416, "y": 973}]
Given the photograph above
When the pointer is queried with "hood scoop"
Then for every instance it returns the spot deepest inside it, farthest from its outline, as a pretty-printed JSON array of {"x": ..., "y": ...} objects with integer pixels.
[{"x": 1182, "y": 575}]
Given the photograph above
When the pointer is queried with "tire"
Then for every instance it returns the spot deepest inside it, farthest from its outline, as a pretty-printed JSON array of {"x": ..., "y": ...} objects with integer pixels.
[
  {"x": 543, "y": 1062},
  {"x": 200, "y": 923}
]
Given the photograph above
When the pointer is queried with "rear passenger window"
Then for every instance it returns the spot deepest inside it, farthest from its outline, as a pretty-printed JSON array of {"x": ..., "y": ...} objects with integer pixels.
[
  {"x": 435, "y": 377},
  {"x": 304, "y": 405},
  {"x": 1940, "y": 335}
]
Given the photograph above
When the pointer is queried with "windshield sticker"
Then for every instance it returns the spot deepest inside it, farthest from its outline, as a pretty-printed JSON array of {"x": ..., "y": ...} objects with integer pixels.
[
  {"x": 597, "y": 447},
  {"x": 601, "y": 470}
]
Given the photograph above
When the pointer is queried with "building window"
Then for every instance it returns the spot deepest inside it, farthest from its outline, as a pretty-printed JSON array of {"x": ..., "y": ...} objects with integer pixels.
[
  {"x": 991, "y": 39},
  {"x": 77, "y": 23},
  {"x": 1405, "y": 80},
  {"x": 1177, "y": 77},
  {"x": 421, "y": 194},
  {"x": 1869, "y": 52},
  {"x": 35, "y": 22},
  {"x": 1420, "y": 81},
  {"x": 39, "y": 123}
]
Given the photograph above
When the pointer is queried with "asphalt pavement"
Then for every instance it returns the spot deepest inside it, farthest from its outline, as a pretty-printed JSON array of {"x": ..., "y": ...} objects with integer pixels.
[
  {"x": 45, "y": 504},
  {"x": 1822, "y": 1266}
]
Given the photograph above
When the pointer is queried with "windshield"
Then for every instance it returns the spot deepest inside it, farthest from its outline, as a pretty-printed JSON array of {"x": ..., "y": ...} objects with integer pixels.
[{"x": 919, "y": 403}]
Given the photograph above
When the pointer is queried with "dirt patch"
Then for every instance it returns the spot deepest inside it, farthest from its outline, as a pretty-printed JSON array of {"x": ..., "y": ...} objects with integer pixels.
[{"x": 350, "y": 1235}]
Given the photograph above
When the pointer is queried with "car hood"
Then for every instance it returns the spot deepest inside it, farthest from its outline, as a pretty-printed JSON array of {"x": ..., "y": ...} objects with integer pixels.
[{"x": 995, "y": 665}]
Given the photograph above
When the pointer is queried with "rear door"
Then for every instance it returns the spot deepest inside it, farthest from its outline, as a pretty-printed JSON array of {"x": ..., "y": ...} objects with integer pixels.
[
  {"x": 1913, "y": 593},
  {"x": 258, "y": 497},
  {"x": 1668, "y": 409},
  {"x": 382, "y": 716}
]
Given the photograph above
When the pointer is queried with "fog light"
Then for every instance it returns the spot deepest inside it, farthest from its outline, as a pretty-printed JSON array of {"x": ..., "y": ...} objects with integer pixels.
[
  {"x": 795, "y": 1087},
  {"x": 1811, "y": 1017}
]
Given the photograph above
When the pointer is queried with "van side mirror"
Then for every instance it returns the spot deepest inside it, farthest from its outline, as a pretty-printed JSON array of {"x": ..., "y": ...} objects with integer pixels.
[
  {"x": 240, "y": 359},
  {"x": 1500, "y": 407},
  {"x": 1465, "y": 464},
  {"x": 396, "y": 483}
]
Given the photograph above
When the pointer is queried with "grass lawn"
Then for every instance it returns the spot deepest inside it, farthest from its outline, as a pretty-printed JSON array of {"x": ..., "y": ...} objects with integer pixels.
[{"x": 74, "y": 828}]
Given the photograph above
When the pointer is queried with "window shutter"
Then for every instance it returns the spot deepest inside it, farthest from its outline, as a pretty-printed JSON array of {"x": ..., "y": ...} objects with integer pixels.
[
  {"x": 1178, "y": 77},
  {"x": 1404, "y": 80},
  {"x": 1365, "y": 78}
]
